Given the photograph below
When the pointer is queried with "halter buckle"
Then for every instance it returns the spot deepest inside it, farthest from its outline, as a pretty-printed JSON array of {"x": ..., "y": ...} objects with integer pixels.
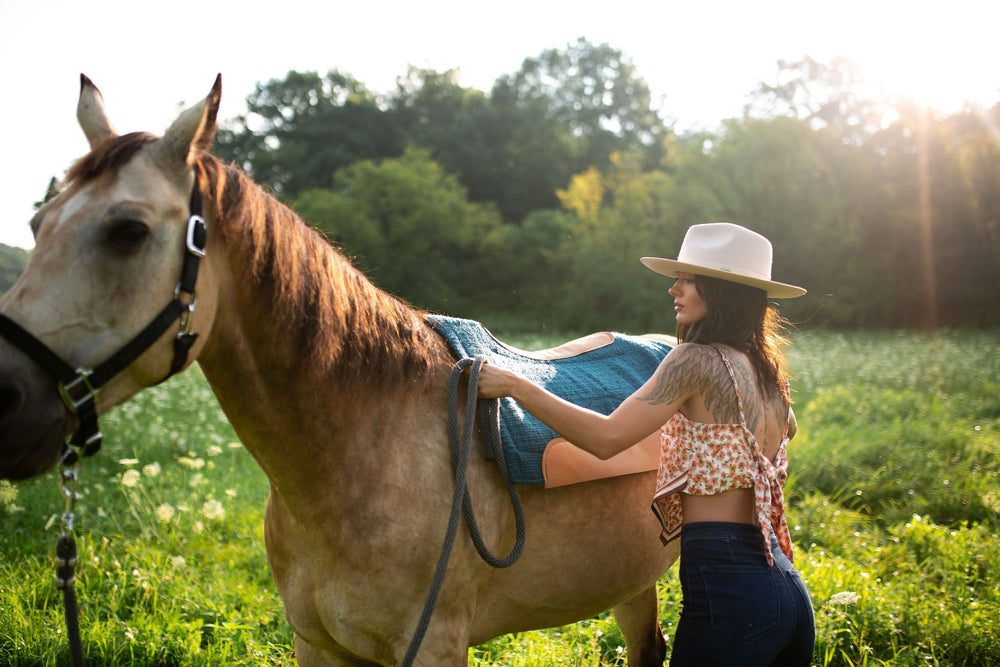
[
  {"x": 71, "y": 395},
  {"x": 195, "y": 237},
  {"x": 187, "y": 318}
]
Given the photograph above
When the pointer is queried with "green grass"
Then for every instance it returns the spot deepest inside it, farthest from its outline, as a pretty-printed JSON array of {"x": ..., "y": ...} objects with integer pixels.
[
  {"x": 894, "y": 504},
  {"x": 173, "y": 569}
]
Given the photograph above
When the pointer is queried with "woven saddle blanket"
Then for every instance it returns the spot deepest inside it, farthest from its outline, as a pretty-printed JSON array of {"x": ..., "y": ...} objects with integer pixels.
[{"x": 598, "y": 372}]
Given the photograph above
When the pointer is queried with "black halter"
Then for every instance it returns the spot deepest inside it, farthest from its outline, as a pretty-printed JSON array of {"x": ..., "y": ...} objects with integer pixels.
[{"x": 79, "y": 387}]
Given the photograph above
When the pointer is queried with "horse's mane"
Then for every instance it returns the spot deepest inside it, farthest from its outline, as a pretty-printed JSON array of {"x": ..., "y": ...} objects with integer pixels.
[{"x": 339, "y": 322}]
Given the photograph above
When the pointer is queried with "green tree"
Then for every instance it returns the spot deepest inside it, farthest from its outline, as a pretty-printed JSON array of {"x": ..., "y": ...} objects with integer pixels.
[
  {"x": 501, "y": 150},
  {"x": 595, "y": 91},
  {"x": 779, "y": 177},
  {"x": 301, "y": 129},
  {"x": 971, "y": 146},
  {"x": 410, "y": 226},
  {"x": 620, "y": 215},
  {"x": 533, "y": 268},
  {"x": 828, "y": 95},
  {"x": 870, "y": 248},
  {"x": 12, "y": 263},
  {"x": 953, "y": 214},
  {"x": 51, "y": 191},
  {"x": 859, "y": 204}
]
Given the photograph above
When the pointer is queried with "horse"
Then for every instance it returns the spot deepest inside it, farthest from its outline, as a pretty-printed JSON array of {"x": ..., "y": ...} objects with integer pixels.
[{"x": 335, "y": 387}]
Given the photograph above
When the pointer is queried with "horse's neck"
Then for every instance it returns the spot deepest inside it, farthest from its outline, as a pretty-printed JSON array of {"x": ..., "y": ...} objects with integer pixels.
[{"x": 296, "y": 390}]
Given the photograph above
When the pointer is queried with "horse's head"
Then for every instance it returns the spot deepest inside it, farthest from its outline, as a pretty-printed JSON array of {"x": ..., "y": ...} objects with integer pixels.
[{"x": 108, "y": 258}]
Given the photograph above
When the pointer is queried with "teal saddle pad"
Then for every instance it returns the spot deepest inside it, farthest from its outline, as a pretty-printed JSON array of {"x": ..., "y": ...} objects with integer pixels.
[{"x": 599, "y": 379}]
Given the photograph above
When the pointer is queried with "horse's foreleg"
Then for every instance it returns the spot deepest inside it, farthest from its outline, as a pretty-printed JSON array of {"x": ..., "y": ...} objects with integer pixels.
[{"x": 639, "y": 622}]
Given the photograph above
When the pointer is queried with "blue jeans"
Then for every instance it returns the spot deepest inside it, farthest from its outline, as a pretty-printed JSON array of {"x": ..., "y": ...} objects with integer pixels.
[{"x": 737, "y": 609}]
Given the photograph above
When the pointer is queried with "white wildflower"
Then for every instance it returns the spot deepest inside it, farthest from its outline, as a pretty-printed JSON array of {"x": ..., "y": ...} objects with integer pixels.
[
  {"x": 193, "y": 464},
  {"x": 165, "y": 513},
  {"x": 130, "y": 477},
  {"x": 178, "y": 562},
  {"x": 151, "y": 469},
  {"x": 991, "y": 500},
  {"x": 213, "y": 510},
  {"x": 214, "y": 450},
  {"x": 128, "y": 462},
  {"x": 844, "y": 598},
  {"x": 8, "y": 492}
]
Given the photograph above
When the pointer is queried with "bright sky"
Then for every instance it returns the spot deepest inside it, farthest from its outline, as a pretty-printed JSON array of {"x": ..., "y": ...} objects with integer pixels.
[{"x": 701, "y": 58}]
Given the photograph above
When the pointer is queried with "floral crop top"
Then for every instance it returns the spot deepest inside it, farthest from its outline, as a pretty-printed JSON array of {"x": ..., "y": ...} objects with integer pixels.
[{"x": 705, "y": 459}]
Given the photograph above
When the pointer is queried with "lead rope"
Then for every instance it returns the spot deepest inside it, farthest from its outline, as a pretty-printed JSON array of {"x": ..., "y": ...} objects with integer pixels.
[
  {"x": 461, "y": 450},
  {"x": 66, "y": 555}
]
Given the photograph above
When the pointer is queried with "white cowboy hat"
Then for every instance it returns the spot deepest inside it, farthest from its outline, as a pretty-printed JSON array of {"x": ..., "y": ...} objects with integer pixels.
[{"x": 727, "y": 251}]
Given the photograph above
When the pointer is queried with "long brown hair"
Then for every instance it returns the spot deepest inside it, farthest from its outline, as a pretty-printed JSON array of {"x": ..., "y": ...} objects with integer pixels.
[{"x": 741, "y": 316}]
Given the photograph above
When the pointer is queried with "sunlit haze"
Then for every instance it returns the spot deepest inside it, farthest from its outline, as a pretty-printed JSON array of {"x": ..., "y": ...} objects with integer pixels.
[
  {"x": 929, "y": 52},
  {"x": 700, "y": 59}
]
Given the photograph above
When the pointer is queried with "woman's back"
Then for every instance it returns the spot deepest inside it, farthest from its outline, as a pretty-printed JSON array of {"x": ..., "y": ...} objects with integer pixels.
[
  {"x": 712, "y": 465},
  {"x": 719, "y": 396}
]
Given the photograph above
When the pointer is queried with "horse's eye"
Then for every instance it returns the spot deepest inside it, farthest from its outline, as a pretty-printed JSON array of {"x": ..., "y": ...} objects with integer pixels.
[{"x": 127, "y": 235}]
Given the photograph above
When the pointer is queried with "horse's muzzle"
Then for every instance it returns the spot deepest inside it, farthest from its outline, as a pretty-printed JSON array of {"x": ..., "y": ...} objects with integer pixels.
[{"x": 33, "y": 419}]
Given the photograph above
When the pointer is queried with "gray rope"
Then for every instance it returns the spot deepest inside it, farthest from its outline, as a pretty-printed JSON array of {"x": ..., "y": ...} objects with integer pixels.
[
  {"x": 489, "y": 422},
  {"x": 65, "y": 580},
  {"x": 461, "y": 450},
  {"x": 66, "y": 553}
]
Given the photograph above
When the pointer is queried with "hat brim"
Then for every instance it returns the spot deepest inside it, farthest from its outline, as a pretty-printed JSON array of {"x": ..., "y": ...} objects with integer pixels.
[{"x": 671, "y": 267}]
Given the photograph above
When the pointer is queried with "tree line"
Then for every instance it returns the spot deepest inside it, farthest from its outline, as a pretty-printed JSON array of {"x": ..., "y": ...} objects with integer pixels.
[
  {"x": 528, "y": 206},
  {"x": 12, "y": 263},
  {"x": 533, "y": 202}
]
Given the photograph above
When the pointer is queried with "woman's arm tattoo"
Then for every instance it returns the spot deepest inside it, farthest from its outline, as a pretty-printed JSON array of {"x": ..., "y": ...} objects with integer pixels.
[{"x": 698, "y": 369}]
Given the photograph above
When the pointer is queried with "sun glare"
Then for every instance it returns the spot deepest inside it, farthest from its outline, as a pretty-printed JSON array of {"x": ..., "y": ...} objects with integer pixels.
[{"x": 941, "y": 59}]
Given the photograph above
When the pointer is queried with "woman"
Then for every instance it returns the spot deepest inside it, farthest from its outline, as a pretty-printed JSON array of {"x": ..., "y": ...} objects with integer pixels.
[{"x": 721, "y": 402}]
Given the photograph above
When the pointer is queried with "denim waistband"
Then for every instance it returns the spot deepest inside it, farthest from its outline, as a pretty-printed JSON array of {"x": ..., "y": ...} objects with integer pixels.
[
  {"x": 732, "y": 530},
  {"x": 719, "y": 541}
]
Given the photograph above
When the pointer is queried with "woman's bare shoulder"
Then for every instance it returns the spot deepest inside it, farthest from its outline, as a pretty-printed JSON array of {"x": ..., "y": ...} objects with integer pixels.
[
  {"x": 688, "y": 369},
  {"x": 693, "y": 355}
]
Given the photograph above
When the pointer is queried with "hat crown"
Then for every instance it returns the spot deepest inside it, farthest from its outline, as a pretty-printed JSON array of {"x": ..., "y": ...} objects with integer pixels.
[
  {"x": 727, "y": 251},
  {"x": 726, "y": 247}
]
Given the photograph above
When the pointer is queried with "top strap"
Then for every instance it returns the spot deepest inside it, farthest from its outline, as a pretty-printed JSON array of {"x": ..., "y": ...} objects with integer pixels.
[
  {"x": 736, "y": 385},
  {"x": 739, "y": 404}
]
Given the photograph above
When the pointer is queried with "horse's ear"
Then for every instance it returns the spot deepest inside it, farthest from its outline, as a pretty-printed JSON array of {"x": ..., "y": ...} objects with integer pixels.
[
  {"x": 193, "y": 130},
  {"x": 91, "y": 115}
]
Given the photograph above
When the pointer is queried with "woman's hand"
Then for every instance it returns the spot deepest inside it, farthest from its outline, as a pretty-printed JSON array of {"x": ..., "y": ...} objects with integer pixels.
[{"x": 496, "y": 382}]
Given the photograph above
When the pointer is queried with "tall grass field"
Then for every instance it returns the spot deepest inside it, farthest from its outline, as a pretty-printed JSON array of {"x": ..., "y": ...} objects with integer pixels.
[{"x": 894, "y": 504}]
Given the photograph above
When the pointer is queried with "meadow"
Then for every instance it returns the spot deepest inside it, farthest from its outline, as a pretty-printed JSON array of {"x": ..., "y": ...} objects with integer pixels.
[{"x": 894, "y": 503}]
